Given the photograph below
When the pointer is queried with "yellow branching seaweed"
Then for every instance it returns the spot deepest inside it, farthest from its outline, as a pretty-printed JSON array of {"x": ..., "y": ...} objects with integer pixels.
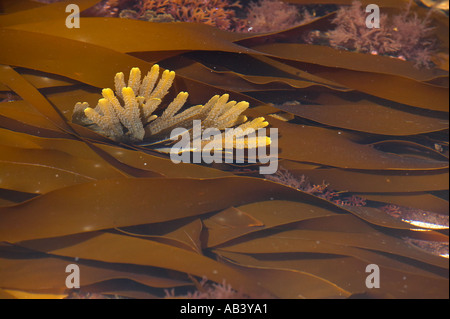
[{"x": 127, "y": 115}]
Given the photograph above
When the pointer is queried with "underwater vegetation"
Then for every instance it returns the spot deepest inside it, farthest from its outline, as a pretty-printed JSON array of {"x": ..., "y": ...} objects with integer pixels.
[
  {"x": 404, "y": 35},
  {"x": 363, "y": 159},
  {"x": 272, "y": 15},
  {"x": 218, "y": 13}
]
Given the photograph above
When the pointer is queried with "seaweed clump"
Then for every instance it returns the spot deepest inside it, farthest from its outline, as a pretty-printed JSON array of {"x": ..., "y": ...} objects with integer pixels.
[
  {"x": 285, "y": 177},
  {"x": 404, "y": 36},
  {"x": 274, "y": 15},
  {"x": 148, "y": 15},
  {"x": 217, "y": 13}
]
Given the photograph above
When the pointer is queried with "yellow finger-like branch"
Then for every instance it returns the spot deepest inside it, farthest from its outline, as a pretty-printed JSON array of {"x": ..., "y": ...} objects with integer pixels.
[{"x": 128, "y": 114}]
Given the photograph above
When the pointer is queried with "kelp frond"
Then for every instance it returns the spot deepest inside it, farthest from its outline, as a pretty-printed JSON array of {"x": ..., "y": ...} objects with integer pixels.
[{"x": 127, "y": 115}]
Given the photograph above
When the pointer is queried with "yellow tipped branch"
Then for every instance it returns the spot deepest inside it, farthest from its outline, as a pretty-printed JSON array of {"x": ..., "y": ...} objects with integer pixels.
[
  {"x": 119, "y": 83},
  {"x": 134, "y": 81},
  {"x": 149, "y": 81}
]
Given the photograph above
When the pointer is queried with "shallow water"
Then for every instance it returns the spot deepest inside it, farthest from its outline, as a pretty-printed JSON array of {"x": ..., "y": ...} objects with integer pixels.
[{"x": 357, "y": 205}]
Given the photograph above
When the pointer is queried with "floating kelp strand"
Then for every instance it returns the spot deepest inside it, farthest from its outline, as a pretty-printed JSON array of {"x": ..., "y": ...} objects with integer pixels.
[{"x": 418, "y": 217}]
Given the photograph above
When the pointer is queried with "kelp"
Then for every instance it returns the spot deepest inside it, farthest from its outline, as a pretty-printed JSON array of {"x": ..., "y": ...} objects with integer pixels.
[
  {"x": 40, "y": 81},
  {"x": 366, "y": 116},
  {"x": 185, "y": 235},
  {"x": 423, "y": 201},
  {"x": 131, "y": 192},
  {"x": 235, "y": 77},
  {"x": 288, "y": 242},
  {"x": 14, "y": 6},
  {"x": 339, "y": 277},
  {"x": 79, "y": 151},
  {"x": 138, "y": 224},
  {"x": 129, "y": 249},
  {"x": 378, "y": 182},
  {"x": 29, "y": 93},
  {"x": 236, "y": 222},
  {"x": 330, "y": 57},
  {"x": 50, "y": 274},
  {"x": 157, "y": 37},
  {"x": 323, "y": 146},
  {"x": 395, "y": 89}
]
